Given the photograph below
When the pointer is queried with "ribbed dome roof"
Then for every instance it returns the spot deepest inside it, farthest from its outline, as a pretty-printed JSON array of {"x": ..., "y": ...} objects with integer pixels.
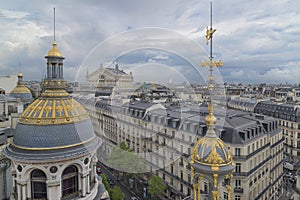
[
  {"x": 211, "y": 151},
  {"x": 21, "y": 91},
  {"x": 53, "y": 123},
  {"x": 44, "y": 111}
]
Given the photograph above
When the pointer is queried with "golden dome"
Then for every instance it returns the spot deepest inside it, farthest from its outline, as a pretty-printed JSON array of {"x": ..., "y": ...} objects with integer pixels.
[
  {"x": 50, "y": 111},
  {"x": 54, "y": 51},
  {"x": 20, "y": 89},
  {"x": 20, "y": 75},
  {"x": 211, "y": 151}
]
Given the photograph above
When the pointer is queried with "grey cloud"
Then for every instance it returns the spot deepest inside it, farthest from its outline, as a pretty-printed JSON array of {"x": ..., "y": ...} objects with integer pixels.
[{"x": 255, "y": 36}]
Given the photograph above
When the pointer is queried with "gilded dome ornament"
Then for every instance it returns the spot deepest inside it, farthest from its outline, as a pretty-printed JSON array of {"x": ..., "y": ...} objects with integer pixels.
[{"x": 214, "y": 157}]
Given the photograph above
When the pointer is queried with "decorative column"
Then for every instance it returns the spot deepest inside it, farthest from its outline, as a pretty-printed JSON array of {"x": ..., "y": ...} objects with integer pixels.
[
  {"x": 229, "y": 191},
  {"x": 83, "y": 185},
  {"x": 195, "y": 191},
  {"x": 199, "y": 188},
  {"x": 54, "y": 189},
  {"x": 19, "y": 196},
  {"x": 23, "y": 188},
  {"x": 88, "y": 188}
]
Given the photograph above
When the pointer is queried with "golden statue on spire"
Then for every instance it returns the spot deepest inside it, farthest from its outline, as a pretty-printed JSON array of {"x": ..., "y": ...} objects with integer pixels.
[{"x": 209, "y": 33}]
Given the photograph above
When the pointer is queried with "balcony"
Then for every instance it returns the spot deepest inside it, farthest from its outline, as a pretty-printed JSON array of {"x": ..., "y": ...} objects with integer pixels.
[{"x": 238, "y": 190}]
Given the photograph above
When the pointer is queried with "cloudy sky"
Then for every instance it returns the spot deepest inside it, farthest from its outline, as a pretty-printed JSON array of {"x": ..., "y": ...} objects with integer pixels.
[{"x": 258, "y": 41}]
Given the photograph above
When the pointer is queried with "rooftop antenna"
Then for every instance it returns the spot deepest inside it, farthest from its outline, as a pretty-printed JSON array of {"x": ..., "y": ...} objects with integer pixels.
[
  {"x": 54, "y": 24},
  {"x": 19, "y": 67}
]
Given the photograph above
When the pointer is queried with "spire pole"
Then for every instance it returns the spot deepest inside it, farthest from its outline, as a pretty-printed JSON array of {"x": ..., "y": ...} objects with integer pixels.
[
  {"x": 211, "y": 57},
  {"x": 54, "y": 24}
]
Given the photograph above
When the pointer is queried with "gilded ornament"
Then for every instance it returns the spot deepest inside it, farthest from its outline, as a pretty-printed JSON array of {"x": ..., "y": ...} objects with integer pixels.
[
  {"x": 214, "y": 157},
  {"x": 209, "y": 34}
]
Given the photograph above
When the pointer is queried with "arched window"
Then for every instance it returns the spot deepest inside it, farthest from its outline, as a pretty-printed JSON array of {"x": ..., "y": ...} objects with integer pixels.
[
  {"x": 38, "y": 184},
  {"x": 70, "y": 181}
]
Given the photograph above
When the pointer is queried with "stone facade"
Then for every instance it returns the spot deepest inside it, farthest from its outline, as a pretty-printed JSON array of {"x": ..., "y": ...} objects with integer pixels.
[{"x": 164, "y": 138}]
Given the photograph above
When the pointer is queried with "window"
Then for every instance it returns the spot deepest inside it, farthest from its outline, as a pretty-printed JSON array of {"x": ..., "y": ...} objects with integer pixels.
[
  {"x": 188, "y": 192},
  {"x": 70, "y": 181},
  {"x": 181, "y": 162},
  {"x": 237, "y": 197},
  {"x": 237, "y": 151},
  {"x": 38, "y": 184},
  {"x": 205, "y": 187},
  {"x": 238, "y": 183},
  {"x": 189, "y": 178},
  {"x": 181, "y": 174},
  {"x": 225, "y": 195},
  {"x": 238, "y": 168}
]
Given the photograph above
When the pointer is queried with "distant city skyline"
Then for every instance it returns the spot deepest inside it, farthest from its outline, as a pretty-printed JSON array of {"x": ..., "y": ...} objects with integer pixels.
[{"x": 258, "y": 41}]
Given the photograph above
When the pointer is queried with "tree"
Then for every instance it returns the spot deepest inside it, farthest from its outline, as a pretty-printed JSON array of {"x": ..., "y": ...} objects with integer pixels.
[
  {"x": 115, "y": 193},
  {"x": 104, "y": 181},
  {"x": 124, "y": 159},
  {"x": 124, "y": 147},
  {"x": 156, "y": 186}
]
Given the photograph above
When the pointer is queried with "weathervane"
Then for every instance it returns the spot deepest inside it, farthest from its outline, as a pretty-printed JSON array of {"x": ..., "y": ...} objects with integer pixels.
[{"x": 211, "y": 63}]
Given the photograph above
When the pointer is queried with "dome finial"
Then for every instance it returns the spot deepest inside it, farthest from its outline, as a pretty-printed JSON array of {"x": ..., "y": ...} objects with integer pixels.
[
  {"x": 54, "y": 51},
  {"x": 54, "y": 25}
]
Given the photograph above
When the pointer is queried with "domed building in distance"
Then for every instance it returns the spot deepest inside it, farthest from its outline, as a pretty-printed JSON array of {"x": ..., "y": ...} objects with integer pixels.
[
  {"x": 21, "y": 91},
  {"x": 22, "y": 94},
  {"x": 53, "y": 151}
]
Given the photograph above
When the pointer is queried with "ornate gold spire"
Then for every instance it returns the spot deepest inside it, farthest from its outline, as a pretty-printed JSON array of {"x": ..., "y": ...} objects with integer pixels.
[
  {"x": 211, "y": 158},
  {"x": 210, "y": 119}
]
